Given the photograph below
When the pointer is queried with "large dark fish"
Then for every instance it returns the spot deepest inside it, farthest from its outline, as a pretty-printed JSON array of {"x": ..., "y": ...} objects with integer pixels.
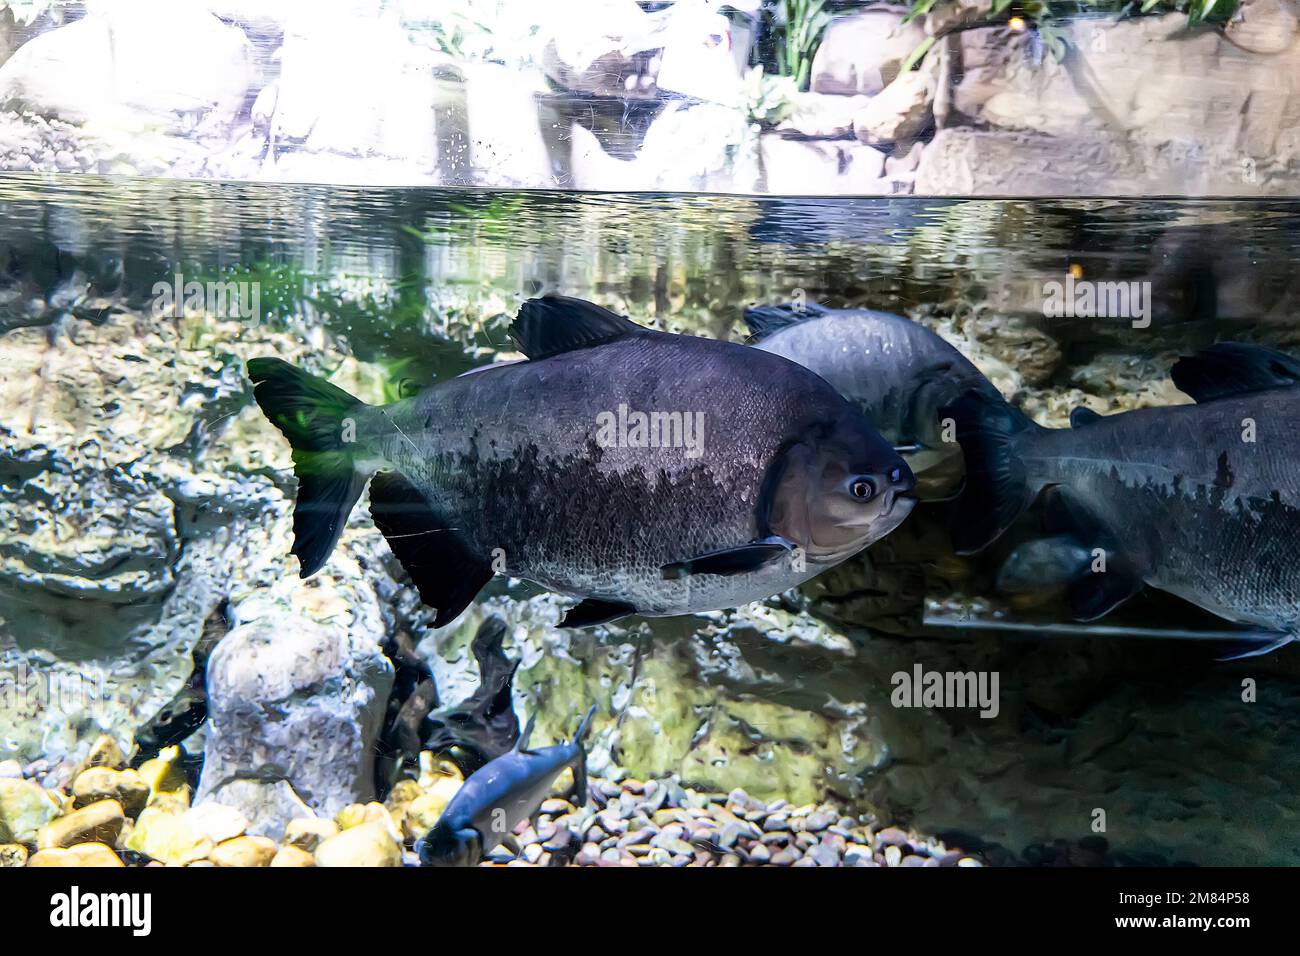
[
  {"x": 644, "y": 472},
  {"x": 503, "y": 793},
  {"x": 897, "y": 372},
  {"x": 1202, "y": 501}
]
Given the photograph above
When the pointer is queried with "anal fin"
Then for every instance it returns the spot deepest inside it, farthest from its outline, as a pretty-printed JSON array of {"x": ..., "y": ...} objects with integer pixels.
[{"x": 443, "y": 566}]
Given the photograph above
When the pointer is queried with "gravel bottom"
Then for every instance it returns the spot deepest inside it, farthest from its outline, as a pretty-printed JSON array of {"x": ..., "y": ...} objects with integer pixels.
[
  {"x": 113, "y": 815},
  {"x": 661, "y": 823}
]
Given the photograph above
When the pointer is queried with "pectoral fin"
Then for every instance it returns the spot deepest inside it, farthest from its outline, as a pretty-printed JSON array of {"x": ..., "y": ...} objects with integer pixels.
[
  {"x": 594, "y": 611},
  {"x": 741, "y": 560},
  {"x": 522, "y": 743}
]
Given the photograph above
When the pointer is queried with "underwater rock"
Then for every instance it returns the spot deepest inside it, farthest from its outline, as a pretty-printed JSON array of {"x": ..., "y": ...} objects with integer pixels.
[
  {"x": 727, "y": 705},
  {"x": 121, "y": 428},
  {"x": 1016, "y": 343},
  {"x": 864, "y": 53},
  {"x": 297, "y": 701},
  {"x": 267, "y": 805},
  {"x": 25, "y": 807}
]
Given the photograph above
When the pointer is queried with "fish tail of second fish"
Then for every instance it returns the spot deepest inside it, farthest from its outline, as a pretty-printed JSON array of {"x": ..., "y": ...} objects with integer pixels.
[
  {"x": 997, "y": 489},
  {"x": 314, "y": 416}
]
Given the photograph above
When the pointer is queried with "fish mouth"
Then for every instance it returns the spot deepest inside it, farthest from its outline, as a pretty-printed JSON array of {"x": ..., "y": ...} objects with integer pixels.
[
  {"x": 891, "y": 497},
  {"x": 895, "y": 506}
]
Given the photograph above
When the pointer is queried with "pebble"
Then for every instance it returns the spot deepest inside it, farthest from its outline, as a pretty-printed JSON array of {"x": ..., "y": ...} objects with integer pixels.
[
  {"x": 893, "y": 856},
  {"x": 12, "y": 854},
  {"x": 81, "y": 854},
  {"x": 292, "y": 856},
  {"x": 244, "y": 851},
  {"x": 560, "y": 841},
  {"x": 824, "y": 855},
  {"x": 817, "y": 821},
  {"x": 100, "y": 822},
  {"x": 307, "y": 833},
  {"x": 127, "y": 787},
  {"x": 366, "y": 844},
  {"x": 891, "y": 836}
]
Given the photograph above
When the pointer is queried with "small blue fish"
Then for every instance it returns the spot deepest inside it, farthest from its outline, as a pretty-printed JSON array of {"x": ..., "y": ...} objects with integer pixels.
[{"x": 501, "y": 794}]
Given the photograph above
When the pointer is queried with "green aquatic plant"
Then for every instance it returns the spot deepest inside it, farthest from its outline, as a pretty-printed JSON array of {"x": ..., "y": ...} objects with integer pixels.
[
  {"x": 804, "y": 22},
  {"x": 768, "y": 99},
  {"x": 490, "y": 219}
]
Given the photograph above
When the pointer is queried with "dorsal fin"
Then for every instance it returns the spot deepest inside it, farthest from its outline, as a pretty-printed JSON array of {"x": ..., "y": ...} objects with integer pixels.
[
  {"x": 522, "y": 743},
  {"x": 763, "y": 320},
  {"x": 1083, "y": 415},
  {"x": 556, "y": 323},
  {"x": 1233, "y": 368}
]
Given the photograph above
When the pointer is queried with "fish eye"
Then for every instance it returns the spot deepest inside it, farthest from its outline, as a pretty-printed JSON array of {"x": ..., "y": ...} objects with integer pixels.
[{"x": 863, "y": 489}]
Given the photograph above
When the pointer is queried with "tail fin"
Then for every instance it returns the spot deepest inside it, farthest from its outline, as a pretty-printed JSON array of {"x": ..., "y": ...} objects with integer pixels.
[
  {"x": 763, "y": 320},
  {"x": 580, "y": 764},
  {"x": 996, "y": 491},
  {"x": 313, "y": 415}
]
